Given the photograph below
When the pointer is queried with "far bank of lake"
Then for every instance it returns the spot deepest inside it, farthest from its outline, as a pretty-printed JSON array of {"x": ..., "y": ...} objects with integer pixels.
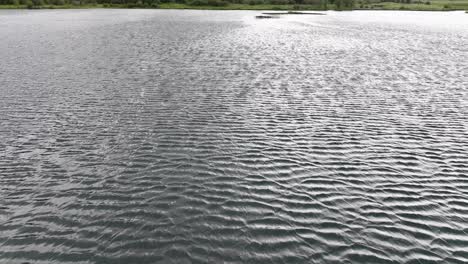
[{"x": 339, "y": 5}]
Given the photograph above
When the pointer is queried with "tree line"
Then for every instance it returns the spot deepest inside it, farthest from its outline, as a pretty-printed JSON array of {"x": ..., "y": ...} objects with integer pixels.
[{"x": 319, "y": 4}]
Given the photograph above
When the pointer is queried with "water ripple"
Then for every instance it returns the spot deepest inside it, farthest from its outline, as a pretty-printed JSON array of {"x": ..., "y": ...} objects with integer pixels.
[{"x": 159, "y": 136}]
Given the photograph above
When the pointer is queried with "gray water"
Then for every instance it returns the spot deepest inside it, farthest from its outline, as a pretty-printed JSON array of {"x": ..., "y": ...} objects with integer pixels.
[{"x": 152, "y": 136}]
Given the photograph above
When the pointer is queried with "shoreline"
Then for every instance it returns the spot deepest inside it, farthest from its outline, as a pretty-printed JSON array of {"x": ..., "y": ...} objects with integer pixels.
[{"x": 259, "y": 7}]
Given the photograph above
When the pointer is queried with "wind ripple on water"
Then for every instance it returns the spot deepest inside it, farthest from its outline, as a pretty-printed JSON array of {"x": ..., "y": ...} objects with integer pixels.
[{"x": 169, "y": 136}]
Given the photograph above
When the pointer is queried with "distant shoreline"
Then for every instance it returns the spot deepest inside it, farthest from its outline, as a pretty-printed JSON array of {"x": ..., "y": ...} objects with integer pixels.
[{"x": 436, "y": 6}]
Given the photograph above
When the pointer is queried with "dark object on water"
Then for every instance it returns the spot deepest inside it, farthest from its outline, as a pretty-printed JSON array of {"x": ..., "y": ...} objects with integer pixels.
[
  {"x": 266, "y": 17},
  {"x": 292, "y": 13}
]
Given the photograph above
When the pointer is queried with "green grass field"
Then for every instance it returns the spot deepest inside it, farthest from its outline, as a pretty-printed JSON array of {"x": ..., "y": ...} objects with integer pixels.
[{"x": 438, "y": 5}]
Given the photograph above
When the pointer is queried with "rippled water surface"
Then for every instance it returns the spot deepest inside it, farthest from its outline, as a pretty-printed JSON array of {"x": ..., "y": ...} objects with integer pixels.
[{"x": 151, "y": 136}]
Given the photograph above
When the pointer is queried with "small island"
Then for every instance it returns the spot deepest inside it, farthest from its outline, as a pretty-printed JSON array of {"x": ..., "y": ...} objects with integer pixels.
[{"x": 281, "y": 5}]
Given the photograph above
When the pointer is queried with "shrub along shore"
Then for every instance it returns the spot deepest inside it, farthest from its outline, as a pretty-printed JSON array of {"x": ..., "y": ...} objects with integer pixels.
[{"x": 420, "y": 5}]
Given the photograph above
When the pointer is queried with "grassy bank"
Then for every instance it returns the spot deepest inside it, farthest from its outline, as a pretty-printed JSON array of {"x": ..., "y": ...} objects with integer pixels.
[
  {"x": 242, "y": 7},
  {"x": 437, "y": 5}
]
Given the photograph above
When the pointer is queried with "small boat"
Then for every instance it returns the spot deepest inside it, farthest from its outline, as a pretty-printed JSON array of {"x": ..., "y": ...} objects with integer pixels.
[
  {"x": 265, "y": 17},
  {"x": 292, "y": 13}
]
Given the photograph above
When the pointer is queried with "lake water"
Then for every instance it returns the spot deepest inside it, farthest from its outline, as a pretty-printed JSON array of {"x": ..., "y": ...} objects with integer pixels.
[{"x": 164, "y": 136}]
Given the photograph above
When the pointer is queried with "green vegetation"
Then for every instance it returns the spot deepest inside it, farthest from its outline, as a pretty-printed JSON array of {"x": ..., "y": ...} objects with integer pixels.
[
  {"x": 429, "y": 5},
  {"x": 421, "y": 5}
]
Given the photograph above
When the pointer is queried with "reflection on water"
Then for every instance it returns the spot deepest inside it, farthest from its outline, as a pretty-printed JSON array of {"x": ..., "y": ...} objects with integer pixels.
[{"x": 146, "y": 136}]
